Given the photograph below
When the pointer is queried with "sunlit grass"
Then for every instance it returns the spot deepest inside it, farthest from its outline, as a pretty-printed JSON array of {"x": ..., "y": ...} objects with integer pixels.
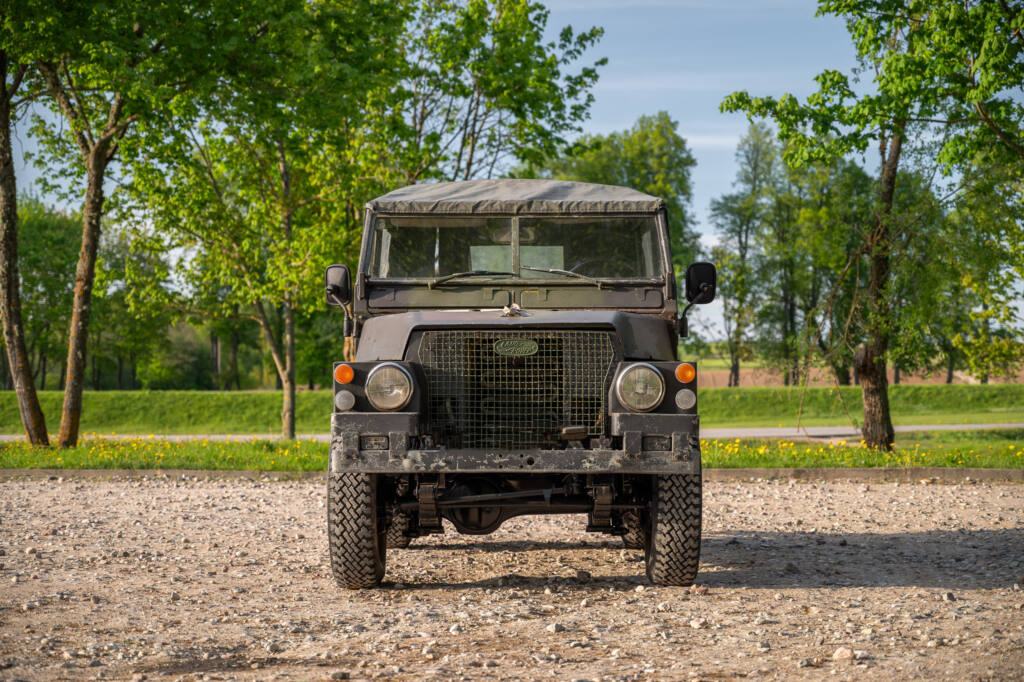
[
  {"x": 153, "y": 453},
  {"x": 1000, "y": 448},
  {"x": 985, "y": 449}
]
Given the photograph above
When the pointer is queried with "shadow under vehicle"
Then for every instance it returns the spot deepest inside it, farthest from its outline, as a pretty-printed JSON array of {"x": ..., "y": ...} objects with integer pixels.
[{"x": 515, "y": 354}]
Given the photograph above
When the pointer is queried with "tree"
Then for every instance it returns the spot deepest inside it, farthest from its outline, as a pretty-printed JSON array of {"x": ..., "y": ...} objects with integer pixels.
[
  {"x": 988, "y": 227},
  {"x": 13, "y": 74},
  {"x": 833, "y": 122},
  {"x": 962, "y": 64},
  {"x": 483, "y": 88},
  {"x": 264, "y": 189},
  {"x": 115, "y": 74},
  {"x": 739, "y": 218},
  {"x": 650, "y": 157},
  {"x": 47, "y": 251},
  {"x": 131, "y": 329}
]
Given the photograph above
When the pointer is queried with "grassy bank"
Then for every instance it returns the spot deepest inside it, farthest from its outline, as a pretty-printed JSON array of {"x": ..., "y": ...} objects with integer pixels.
[
  {"x": 258, "y": 412},
  {"x": 985, "y": 449},
  {"x": 996, "y": 448}
]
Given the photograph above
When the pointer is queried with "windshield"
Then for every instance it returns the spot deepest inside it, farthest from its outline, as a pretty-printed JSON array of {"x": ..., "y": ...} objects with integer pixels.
[{"x": 435, "y": 246}]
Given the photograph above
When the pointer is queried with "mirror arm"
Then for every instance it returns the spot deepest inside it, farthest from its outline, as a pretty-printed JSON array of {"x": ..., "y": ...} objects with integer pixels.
[
  {"x": 346, "y": 308},
  {"x": 698, "y": 299}
]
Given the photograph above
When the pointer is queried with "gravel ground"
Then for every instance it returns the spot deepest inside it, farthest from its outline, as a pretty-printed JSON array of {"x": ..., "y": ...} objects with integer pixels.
[{"x": 186, "y": 579}]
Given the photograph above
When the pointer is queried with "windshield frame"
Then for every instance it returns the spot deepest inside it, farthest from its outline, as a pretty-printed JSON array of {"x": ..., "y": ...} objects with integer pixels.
[{"x": 661, "y": 226}]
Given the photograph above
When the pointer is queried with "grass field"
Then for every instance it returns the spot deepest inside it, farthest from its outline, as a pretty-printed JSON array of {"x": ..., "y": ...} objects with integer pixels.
[
  {"x": 987, "y": 449},
  {"x": 258, "y": 412}
]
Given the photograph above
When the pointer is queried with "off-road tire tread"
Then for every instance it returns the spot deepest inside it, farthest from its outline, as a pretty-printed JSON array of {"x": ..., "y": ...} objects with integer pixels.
[
  {"x": 351, "y": 530},
  {"x": 396, "y": 531},
  {"x": 633, "y": 538},
  {"x": 673, "y": 551}
]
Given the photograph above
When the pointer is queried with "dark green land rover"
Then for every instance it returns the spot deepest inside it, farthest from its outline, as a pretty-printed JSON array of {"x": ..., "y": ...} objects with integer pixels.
[{"x": 515, "y": 354}]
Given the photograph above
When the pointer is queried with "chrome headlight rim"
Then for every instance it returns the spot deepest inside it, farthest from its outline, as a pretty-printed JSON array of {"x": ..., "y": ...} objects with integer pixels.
[
  {"x": 622, "y": 376},
  {"x": 376, "y": 370}
]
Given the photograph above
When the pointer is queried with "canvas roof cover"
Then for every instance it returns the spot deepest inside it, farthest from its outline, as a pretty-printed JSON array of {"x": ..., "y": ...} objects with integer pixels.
[{"x": 515, "y": 197}]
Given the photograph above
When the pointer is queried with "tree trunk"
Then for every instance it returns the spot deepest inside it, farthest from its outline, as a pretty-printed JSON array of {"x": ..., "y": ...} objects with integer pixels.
[
  {"x": 950, "y": 362},
  {"x": 92, "y": 213},
  {"x": 279, "y": 353},
  {"x": 5, "y": 376},
  {"x": 42, "y": 373},
  {"x": 734, "y": 372},
  {"x": 877, "y": 429},
  {"x": 215, "y": 360},
  {"x": 871, "y": 357},
  {"x": 288, "y": 375},
  {"x": 234, "y": 360},
  {"x": 10, "y": 287},
  {"x": 132, "y": 369},
  {"x": 120, "y": 372},
  {"x": 288, "y": 404},
  {"x": 896, "y": 375}
]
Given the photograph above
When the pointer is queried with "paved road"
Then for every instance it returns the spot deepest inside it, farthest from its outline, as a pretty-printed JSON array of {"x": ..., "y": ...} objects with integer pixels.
[
  {"x": 840, "y": 432},
  {"x": 782, "y": 432}
]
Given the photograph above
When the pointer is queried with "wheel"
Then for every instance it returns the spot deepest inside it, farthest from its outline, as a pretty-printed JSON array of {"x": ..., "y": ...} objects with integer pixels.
[
  {"x": 634, "y": 536},
  {"x": 672, "y": 549},
  {"x": 396, "y": 536},
  {"x": 355, "y": 530}
]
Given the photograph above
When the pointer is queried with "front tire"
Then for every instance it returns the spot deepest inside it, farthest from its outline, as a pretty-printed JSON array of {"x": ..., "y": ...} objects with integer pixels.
[
  {"x": 672, "y": 548},
  {"x": 355, "y": 530}
]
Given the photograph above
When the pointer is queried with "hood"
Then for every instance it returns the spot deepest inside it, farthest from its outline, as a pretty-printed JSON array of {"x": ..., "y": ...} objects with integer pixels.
[{"x": 644, "y": 337}]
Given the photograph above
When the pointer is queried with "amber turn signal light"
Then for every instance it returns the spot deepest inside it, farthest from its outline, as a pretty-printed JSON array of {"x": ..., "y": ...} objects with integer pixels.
[
  {"x": 344, "y": 374},
  {"x": 685, "y": 373}
]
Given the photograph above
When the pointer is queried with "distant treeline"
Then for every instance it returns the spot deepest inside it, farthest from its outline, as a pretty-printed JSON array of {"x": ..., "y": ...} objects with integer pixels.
[{"x": 795, "y": 273}]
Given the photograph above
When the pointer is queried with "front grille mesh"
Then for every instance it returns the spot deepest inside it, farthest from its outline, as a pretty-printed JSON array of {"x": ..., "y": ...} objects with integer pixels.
[{"x": 477, "y": 398}]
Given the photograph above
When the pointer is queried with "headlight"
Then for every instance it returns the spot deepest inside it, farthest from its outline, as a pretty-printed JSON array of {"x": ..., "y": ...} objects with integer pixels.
[
  {"x": 640, "y": 387},
  {"x": 389, "y": 387}
]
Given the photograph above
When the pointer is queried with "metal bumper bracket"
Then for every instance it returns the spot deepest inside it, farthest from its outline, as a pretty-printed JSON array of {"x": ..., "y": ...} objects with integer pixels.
[{"x": 398, "y": 443}]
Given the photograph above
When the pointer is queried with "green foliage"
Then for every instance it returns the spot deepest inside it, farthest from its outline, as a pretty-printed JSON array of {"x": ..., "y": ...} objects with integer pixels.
[
  {"x": 131, "y": 71},
  {"x": 47, "y": 251},
  {"x": 739, "y": 218},
  {"x": 946, "y": 63},
  {"x": 650, "y": 157},
  {"x": 962, "y": 68},
  {"x": 944, "y": 69},
  {"x": 483, "y": 87}
]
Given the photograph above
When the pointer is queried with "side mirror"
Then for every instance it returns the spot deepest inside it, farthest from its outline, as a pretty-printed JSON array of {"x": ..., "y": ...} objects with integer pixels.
[
  {"x": 701, "y": 279},
  {"x": 338, "y": 285}
]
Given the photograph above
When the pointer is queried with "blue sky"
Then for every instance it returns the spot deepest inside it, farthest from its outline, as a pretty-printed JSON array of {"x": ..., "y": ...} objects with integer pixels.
[{"x": 685, "y": 56}]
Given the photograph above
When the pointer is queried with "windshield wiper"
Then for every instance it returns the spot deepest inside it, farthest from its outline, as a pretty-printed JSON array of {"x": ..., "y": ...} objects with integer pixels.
[
  {"x": 469, "y": 273},
  {"x": 568, "y": 273}
]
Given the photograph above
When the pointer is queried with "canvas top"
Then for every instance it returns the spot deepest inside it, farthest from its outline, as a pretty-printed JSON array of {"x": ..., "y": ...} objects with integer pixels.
[{"x": 515, "y": 197}]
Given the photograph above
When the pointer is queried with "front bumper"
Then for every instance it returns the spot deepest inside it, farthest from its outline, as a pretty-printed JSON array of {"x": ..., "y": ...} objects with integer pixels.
[{"x": 651, "y": 444}]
